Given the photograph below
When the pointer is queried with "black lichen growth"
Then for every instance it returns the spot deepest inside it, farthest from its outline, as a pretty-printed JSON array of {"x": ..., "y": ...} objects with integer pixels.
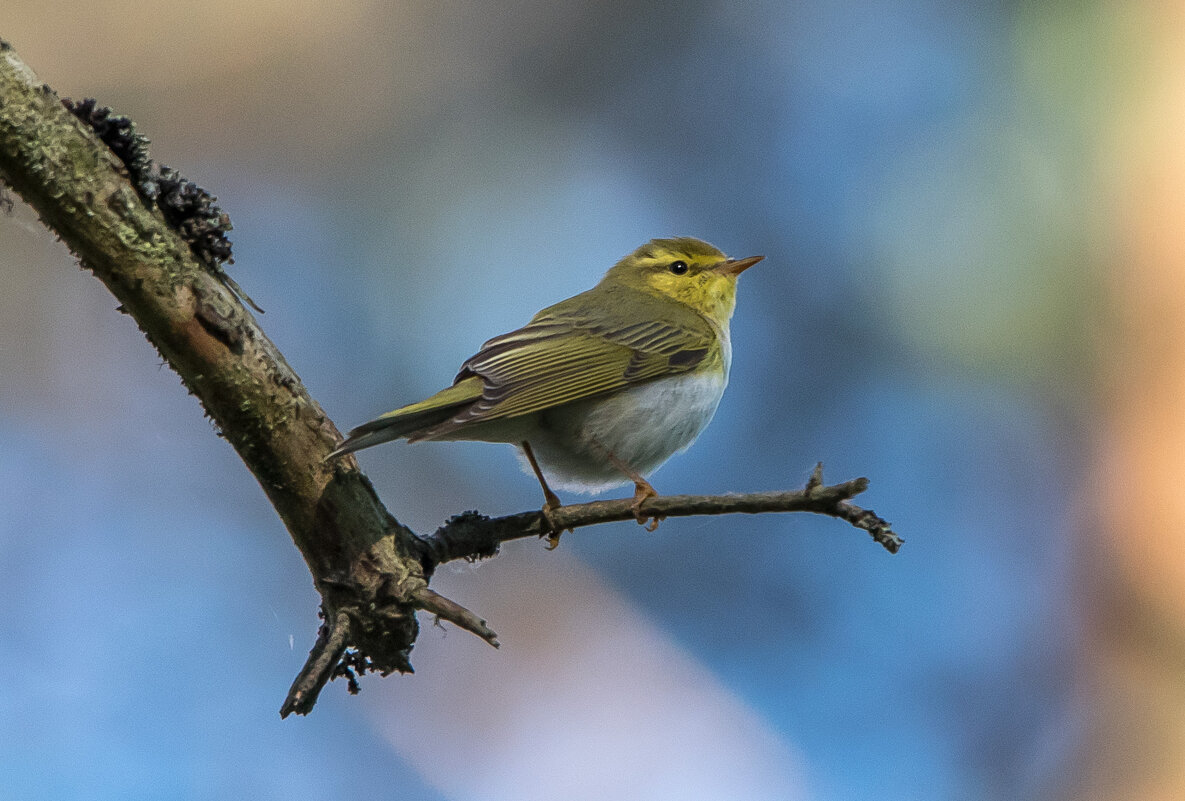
[
  {"x": 352, "y": 665},
  {"x": 192, "y": 211},
  {"x": 188, "y": 208},
  {"x": 120, "y": 135},
  {"x": 466, "y": 535}
]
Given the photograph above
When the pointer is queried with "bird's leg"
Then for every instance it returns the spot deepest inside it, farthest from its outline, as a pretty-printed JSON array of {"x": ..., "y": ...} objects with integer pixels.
[
  {"x": 642, "y": 491},
  {"x": 551, "y": 500}
]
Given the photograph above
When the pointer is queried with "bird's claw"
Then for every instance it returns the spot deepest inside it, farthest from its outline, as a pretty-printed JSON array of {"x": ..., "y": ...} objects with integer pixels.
[
  {"x": 553, "y": 531},
  {"x": 643, "y": 492}
]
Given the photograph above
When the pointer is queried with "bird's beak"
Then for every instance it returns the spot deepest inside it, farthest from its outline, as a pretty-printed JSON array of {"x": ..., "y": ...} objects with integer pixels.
[{"x": 737, "y": 266}]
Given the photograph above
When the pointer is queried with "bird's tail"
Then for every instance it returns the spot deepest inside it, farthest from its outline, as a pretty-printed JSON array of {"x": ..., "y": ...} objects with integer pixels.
[{"x": 408, "y": 420}]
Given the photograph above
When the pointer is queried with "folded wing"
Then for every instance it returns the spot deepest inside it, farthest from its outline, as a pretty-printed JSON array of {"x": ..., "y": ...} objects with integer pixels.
[
  {"x": 564, "y": 356},
  {"x": 561, "y": 356}
]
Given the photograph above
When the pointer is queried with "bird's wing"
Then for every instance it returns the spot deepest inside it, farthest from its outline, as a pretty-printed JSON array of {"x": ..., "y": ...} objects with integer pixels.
[{"x": 560, "y": 357}]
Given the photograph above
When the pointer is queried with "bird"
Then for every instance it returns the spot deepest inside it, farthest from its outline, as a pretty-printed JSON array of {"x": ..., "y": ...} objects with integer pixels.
[{"x": 600, "y": 389}]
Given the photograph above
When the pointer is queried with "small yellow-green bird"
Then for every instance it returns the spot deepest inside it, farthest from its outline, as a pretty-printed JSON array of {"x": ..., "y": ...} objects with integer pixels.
[{"x": 601, "y": 388}]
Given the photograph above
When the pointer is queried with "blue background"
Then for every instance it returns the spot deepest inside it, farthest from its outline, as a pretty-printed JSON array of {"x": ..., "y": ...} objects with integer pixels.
[{"x": 407, "y": 180}]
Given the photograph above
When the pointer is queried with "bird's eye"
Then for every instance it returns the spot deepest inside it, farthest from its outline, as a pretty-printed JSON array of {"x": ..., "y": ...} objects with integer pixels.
[{"x": 678, "y": 267}]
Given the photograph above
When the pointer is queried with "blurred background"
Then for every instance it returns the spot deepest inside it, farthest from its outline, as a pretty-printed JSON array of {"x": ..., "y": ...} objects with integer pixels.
[{"x": 974, "y": 294}]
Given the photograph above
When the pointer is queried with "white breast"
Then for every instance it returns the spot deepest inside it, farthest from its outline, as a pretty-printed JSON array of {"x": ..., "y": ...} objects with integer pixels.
[
  {"x": 645, "y": 425},
  {"x": 642, "y": 426}
]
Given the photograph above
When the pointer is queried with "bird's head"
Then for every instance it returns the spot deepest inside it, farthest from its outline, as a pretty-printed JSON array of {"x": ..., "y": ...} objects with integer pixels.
[{"x": 686, "y": 270}]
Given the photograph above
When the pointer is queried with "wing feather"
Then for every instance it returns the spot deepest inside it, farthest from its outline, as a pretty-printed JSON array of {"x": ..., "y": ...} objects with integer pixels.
[{"x": 563, "y": 356}]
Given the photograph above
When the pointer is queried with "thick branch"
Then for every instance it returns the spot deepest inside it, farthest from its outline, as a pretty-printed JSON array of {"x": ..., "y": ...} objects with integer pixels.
[{"x": 354, "y": 548}]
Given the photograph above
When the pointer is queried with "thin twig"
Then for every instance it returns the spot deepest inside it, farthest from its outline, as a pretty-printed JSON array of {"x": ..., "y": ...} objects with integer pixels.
[
  {"x": 474, "y": 536},
  {"x": 437, "y": 604}
]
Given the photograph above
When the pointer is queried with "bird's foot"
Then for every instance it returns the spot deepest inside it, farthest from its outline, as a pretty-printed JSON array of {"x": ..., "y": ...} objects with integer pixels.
[
  {"x": 642, "y": 492},
  {"x": 553, "y": 531}
]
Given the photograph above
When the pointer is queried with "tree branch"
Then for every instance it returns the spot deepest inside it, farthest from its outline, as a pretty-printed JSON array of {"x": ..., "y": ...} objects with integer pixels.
[
  {"x": 323, "y": 660},
  {"x": 371, "y": 571},
  {"x": 474, "y": 536},
  {"x": 361, "y": 558}
]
